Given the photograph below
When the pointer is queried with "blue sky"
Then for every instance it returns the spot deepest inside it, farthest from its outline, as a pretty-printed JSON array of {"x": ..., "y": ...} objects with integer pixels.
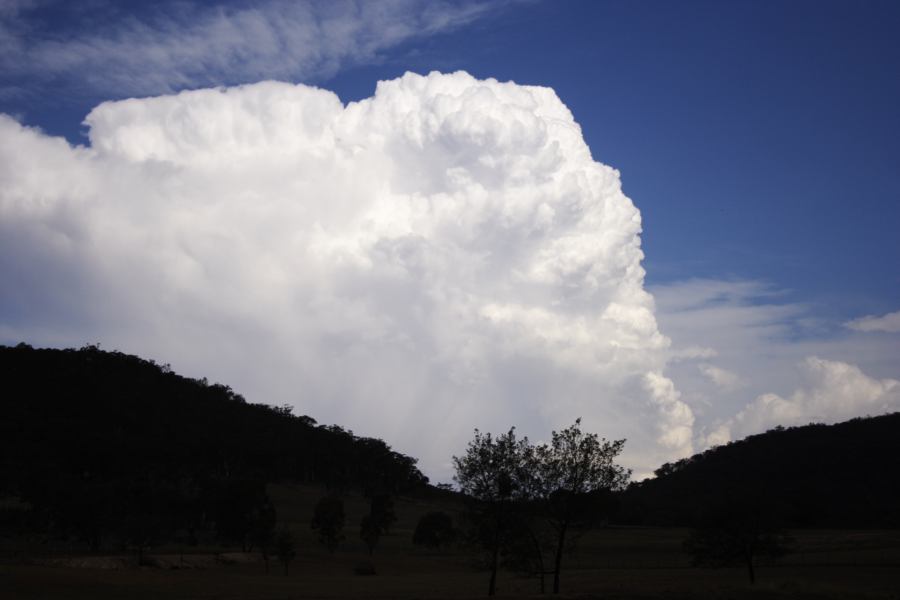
[{"x": 759, "y": 140}]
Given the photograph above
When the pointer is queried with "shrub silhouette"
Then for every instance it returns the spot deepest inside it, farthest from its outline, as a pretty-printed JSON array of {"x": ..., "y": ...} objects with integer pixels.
[
  {"x": 434, "y": 530},
  {"x": 328, "y": 520}
]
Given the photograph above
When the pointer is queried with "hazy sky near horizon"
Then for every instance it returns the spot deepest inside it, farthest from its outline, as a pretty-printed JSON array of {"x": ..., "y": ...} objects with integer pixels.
[{"x": 676, "y": 220}]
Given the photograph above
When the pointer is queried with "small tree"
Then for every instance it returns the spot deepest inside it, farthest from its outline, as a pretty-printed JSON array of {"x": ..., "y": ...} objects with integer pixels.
[
  {"x": 378, "y": 522},
  {"x": 736, "y": 530},
  {"x": 237, "y": 507},
  {"x": 434, "y": 530},
  {"x": 369, "y": 532},
  {"x": 285, "y": 548},
  {"x": 381, "y": 508},
  {"x": 148, "y": 519},
  {"x": 328, "y": 520},
  {"x": 262, "y": 530}
]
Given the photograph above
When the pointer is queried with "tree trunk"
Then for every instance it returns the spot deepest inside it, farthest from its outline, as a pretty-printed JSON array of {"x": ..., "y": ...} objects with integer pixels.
[
  {"x": 750, "y": 571},
  {"x": 492, "y": 586},
  {"x": 495, "y": 551},
  {"x": 540, "y": 557},
  {"x": 557, "y": 563}
]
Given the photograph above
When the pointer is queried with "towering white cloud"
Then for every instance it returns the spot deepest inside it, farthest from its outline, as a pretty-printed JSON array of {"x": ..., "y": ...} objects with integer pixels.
[{"x": 444, "y": 255}]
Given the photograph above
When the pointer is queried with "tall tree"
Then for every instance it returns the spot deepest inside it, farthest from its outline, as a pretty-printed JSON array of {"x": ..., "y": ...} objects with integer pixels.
[
  {"x": 568, "y": 477},
  {"x": 489, "y": 474}
]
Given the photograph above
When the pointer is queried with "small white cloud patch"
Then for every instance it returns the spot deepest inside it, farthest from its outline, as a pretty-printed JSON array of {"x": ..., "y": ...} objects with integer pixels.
[
  {"x": 734, "y": 355},
  {"x": 723, "y": 378},
  {"x": 889, "y": 323},
  {"x": 835, "y": 391}
]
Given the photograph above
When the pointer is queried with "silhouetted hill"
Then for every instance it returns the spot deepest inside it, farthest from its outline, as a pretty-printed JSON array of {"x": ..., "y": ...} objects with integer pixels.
[
  {"x": 98, "y": 443},
  {"x": 843, "y": 475}
]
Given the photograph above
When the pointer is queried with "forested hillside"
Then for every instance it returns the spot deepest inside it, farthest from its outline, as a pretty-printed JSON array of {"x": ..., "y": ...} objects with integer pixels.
[
  {"x": 102, "y": 445},
  {"x": 843, "y": 475},
  {"x": 105, "y": 448}
]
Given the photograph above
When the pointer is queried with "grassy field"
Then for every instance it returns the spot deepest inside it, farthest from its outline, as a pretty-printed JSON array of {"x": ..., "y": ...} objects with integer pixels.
[{"x": 608, "y": 563}]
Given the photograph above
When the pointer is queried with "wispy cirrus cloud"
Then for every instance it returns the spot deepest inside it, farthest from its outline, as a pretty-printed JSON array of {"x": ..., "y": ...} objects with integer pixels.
[{"x": 184, "y": 45}]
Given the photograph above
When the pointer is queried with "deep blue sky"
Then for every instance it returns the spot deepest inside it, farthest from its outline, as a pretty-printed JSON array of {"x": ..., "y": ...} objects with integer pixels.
[{"x": 761, "y": 140}]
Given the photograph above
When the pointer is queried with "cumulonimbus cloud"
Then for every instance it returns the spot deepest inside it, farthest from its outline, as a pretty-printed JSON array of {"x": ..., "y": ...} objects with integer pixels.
[{"x": 442, "y": 256}]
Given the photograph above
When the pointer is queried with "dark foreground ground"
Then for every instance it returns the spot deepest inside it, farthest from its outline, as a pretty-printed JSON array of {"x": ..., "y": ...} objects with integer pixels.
[
  {"x": 84, "y": 583},
  {"x": 614, "y": 563},
  {"x": 611, "y": 564}
]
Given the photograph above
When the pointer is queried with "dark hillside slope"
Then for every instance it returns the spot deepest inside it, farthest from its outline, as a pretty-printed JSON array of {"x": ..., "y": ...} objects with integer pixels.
[
  {"x": 87, "y": 431},
  {"x": 843, "y": 475}
]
